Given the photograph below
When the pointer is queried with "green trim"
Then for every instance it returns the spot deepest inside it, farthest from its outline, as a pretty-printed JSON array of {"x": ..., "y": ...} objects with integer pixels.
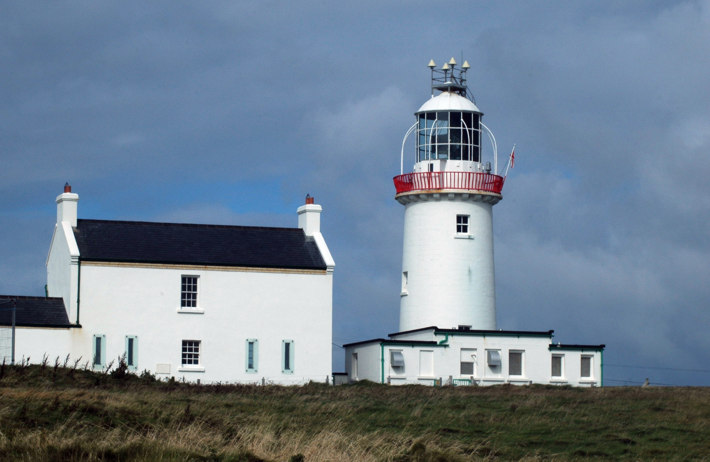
[
  {"x": 102, "y": 352},
  {"x": 445, "y": 341},
  {"x": 601, "y": 367},
  {"x": 291, "y": 357},
  {"x": 255, "y": 356},
  {"x": 414, "y": 343},
  {"x": 134, "y": 351},
  {"x": 78, "y": 289},
  {"x": 382, "y": 362}
]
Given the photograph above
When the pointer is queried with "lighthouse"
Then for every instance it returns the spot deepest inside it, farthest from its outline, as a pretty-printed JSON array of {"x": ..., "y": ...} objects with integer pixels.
[
  {"x": 447, "y": 320},
  {"x": 448, "y": 196}
]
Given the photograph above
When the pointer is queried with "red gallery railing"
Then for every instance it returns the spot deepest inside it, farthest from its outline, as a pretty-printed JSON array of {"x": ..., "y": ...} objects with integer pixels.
[{"x": 470, "y": 181}]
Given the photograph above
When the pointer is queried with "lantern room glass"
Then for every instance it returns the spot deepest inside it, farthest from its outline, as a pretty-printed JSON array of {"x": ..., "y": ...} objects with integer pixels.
[{"x": 444, "y": 135}]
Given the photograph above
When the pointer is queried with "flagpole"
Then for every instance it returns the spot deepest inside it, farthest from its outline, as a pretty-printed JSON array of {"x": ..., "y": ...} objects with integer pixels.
[{"x": 507, "y": 166}]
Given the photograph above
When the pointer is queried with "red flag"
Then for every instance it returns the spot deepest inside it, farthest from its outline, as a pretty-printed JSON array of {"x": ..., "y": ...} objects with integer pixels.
[{"x": 512, "y": 158}]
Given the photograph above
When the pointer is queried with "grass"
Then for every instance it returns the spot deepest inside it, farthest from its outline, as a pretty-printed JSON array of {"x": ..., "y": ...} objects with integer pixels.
[{"x": 63, "y": 413}]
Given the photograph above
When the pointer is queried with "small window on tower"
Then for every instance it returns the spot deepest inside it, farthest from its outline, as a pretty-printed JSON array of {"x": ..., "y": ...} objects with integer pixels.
[{"x": 462, "y": 224}]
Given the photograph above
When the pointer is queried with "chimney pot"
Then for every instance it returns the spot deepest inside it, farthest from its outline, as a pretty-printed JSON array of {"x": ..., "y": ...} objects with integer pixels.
[
  {"x": 67, "y": 187},
  {"x": 310, "y": 200}
]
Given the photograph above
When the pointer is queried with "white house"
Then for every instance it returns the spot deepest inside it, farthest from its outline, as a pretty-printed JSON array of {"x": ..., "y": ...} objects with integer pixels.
[
  {"x": 207, "y": 303},
  {"x": 448, "y": 331}
]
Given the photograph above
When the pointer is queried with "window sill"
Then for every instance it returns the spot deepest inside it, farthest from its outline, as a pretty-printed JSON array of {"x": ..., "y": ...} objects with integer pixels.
[
  {"x": 463, "y": 236},
  {"x": 190, "y": 311},
  {"x": 404, "y": 293},
  {"x": 191, "y": 369},
  {"x": 493, "y": 380}
]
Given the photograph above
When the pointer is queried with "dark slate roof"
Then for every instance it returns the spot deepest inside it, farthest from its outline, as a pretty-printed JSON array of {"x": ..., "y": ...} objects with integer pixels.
[
  {"x": 179, "y": 243},
  {"x": 33, "y": 311}
]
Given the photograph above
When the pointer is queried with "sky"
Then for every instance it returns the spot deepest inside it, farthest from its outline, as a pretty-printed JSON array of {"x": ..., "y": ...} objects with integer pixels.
[{"x": 231, "y": 112}]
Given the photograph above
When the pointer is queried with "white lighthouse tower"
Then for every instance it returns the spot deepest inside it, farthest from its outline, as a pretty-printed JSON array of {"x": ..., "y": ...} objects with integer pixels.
[
  {"x": 447, "y": 321},
  {"x": 447, "y": 264}
]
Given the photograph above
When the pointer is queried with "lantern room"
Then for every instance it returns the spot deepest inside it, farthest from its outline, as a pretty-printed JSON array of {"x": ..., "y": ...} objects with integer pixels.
[
  {"x": 448, "y": 128},
  {"x": 448, "y": 141}
]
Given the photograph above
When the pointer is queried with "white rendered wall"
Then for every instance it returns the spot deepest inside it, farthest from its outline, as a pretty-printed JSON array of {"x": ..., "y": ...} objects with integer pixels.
[
  {"x": 368, "y": 362},
  {"x": 63, "y": 268},
  {"x": 571, "y": 368},
  {"x": 34, "y": 344},
  {"x": 450, "y": 277},
  {"x": 233, "y": 306}
]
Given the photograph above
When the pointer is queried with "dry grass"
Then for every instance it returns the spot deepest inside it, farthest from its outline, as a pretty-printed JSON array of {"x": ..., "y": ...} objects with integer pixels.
[{"x": 65, "y": 414}]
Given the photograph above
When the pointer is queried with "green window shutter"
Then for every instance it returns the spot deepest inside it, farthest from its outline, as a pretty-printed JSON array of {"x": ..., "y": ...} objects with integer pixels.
[
  {"x": 99, "y": 351},
  {"x": 251, "y": 359},
  {"x": 287, "y": 356},
  {"x": 131, "y": 355}
]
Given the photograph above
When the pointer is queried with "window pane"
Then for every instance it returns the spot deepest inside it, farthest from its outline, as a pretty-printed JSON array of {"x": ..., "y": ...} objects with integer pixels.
[
  {"x": 97, "y": 351},
  {"x": 557, "y": 366},
  {"x": 129, "y": 353},
  {"x": 515, "y": 363},
  {"x": 455, "y": 119},
  {"x": 188, "y": 294},
  {"x": 468, "y": 356},
  {"x": 586, "y": 370},
  {"x": 462, "y": 224},
  {"x": 190, "y": 352},
  {"x": 455, "y": 150}
]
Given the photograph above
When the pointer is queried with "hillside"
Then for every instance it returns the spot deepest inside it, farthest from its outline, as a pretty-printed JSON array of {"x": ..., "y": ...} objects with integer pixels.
[{"x": 66, "y": 413}]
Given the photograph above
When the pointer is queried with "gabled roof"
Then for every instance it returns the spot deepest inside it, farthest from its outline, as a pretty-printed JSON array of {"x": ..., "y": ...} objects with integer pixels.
[
  {"x": 33, "y": 311},
  {"x": 191, "y": 244}
]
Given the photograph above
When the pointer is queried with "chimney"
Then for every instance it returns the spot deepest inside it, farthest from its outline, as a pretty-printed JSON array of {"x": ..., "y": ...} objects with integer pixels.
[
  {"x": 67, "y": 206},
  {"x": 309, "y": 216}
]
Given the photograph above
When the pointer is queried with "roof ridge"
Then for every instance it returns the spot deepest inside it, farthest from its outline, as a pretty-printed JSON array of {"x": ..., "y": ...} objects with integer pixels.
[
  {"x": 165, "y": 223},
  {"x": 28, "y": 297}
]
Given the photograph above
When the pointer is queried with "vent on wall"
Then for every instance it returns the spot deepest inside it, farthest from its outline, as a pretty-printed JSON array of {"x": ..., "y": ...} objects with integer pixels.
[{"x": 396, "y": 359}]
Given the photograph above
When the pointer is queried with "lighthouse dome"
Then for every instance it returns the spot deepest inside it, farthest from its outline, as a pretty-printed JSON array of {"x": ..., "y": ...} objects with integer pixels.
[{"x": 448, "y": 101}]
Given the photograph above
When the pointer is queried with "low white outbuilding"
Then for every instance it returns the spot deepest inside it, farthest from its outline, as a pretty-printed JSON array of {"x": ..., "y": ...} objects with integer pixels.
[{"x": 433, "y": 356}]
